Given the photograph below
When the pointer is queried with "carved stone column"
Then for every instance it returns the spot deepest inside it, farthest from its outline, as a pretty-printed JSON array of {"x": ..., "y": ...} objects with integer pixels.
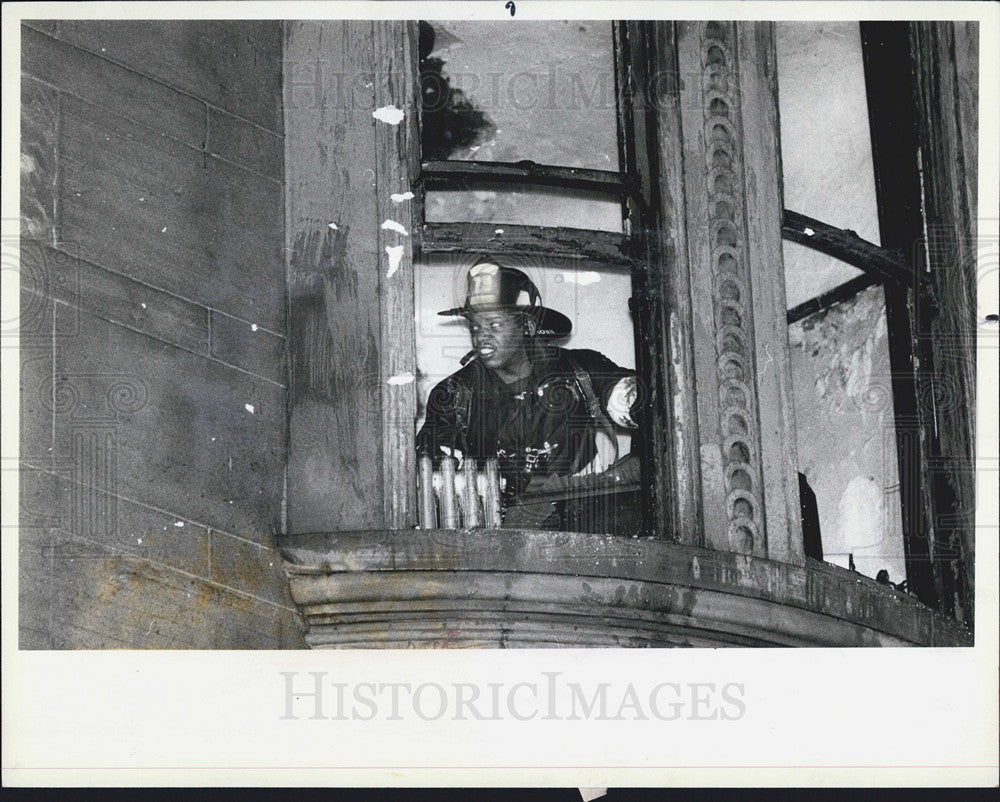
[{"x": 719, "y": 136}]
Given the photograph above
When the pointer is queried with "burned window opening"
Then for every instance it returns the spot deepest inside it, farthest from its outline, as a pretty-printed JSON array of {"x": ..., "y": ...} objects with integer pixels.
[
  {"x": 674, "y": 267},
  {"x": 933, "y": 540},
  {"x": 574, "y": 250}
]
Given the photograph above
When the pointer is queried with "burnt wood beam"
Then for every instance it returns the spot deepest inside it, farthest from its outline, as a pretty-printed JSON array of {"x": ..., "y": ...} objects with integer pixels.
[
  {"x": 831, "y": 297},
  {"x": 455, "y": 174},
  {"x": 888, "y": 69},
  {"x": 946, "y": 84},
  {"x": 571, "y": 247},
  {"x": 636, "y": 58},
  {"x": 665, "y": 320},
  {"x": 847, "y": 246},
  {"x": 397, "y": 149},
  {"x": 879, "y": 263}
]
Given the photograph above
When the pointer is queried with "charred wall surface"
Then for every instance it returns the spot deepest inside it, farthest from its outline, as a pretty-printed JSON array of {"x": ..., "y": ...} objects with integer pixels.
[{"x": 153, "y": 420}]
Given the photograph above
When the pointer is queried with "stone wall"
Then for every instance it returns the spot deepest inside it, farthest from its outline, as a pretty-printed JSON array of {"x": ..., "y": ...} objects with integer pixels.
[{"x": 153, "y": 424}]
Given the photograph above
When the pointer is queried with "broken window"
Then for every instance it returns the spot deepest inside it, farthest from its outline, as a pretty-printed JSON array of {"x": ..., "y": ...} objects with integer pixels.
[
  {"x": 520, "y": 138},
  {"x": 539, "y": 93},
  {"x": 853, "y": 382},
  {"x": 839, "y": 347}
]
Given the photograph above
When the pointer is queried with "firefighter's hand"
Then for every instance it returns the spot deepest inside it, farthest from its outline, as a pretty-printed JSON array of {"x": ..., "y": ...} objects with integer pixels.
[{"x": 455, "y": 454}]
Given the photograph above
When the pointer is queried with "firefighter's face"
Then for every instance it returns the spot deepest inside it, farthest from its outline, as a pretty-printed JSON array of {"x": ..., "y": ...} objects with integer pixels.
[{"x": 499, "y": 338}]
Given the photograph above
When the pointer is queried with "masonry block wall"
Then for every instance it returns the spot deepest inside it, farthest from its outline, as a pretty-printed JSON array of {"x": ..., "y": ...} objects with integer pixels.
[{"x": 153, "y": 424}]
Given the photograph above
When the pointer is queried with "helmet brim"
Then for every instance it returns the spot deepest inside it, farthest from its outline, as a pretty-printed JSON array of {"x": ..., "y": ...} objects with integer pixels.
[{"x": 550, "y": 324}]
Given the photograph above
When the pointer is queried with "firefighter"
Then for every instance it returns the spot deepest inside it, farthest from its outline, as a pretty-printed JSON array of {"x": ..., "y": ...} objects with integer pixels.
[{"x": 534, "y": 406}]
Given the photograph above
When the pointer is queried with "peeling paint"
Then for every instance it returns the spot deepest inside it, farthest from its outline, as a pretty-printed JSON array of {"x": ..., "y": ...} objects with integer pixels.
[
  {"x": 395, "y": 253},
  {"x": 389, "y": 114},
  {"x": 678, "y": 398},
  {"x": 392, "y": 225},
  {"x": 711, "y": 467},
  {"x": 842, "y": 342},
  {"x": 770, "y": 359}
]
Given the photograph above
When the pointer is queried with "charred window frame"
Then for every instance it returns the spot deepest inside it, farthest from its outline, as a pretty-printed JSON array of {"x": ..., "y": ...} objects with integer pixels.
[
  {"x": 934, "y": 564},
  {"x": 626, "y": 251}
]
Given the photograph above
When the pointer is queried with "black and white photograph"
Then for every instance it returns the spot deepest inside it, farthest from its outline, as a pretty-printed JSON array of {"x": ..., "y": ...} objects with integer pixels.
[{"x": 472, "y": 327}]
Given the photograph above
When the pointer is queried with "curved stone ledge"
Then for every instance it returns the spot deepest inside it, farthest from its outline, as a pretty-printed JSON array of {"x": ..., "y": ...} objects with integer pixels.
[{"x": 509, "y": 588}]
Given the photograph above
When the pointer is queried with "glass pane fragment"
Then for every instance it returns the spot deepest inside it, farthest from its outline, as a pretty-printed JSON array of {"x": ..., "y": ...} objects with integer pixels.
[
  {"x": 512, "y": 90},
  {"x": 529, "y": 206},
  {"x": 809, "y": 273},
  {"x": 826, "y": 148}
]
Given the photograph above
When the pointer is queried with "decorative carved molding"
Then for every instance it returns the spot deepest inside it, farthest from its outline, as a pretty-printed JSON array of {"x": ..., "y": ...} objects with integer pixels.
[{"x": 731, "y": 288}]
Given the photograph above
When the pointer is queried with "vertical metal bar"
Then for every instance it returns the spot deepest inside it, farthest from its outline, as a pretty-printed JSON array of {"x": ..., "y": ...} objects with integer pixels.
[
  {"x": 491, "y": 499},
  {"x": 449, "y": 504},
  {"x": 470, "y": 506},
  {"x": 428, "y": 503}
]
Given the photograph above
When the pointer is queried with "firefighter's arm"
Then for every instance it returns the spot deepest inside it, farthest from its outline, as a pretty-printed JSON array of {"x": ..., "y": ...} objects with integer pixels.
[
  {"x": 616, "y": 387},
  {"x": 441, "y": 434},
  {"x": 622, "y": 402}
]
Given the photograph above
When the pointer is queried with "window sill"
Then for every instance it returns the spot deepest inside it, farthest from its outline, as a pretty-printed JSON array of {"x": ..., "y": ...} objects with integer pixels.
[{"x": 508, "y": 589}]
